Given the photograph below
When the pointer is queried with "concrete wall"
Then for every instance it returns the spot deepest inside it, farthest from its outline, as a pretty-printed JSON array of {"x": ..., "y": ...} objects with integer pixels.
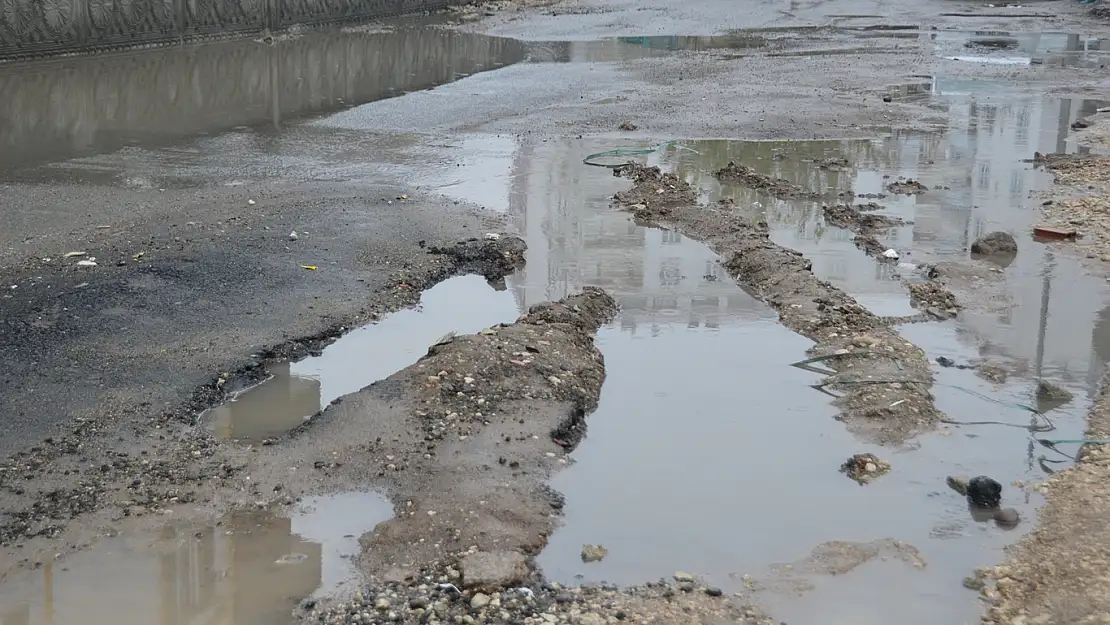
[{"x": 36, "y": 28}]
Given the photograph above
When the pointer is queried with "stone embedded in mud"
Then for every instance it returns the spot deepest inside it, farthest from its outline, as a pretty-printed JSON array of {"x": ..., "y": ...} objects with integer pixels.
[
  {"x": 984, "y": 492},
  {"x": 908, "y": 186},
  {"x": 492, "y": 570},
  {"x": 593, "y": 553},
  {"x": 864, "y": 467},
  {"x": 1049, "y": 392},
  {"x": 995, "y": 243}
]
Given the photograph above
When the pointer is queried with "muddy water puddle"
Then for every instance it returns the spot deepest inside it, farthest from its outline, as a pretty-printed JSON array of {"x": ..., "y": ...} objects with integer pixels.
[
  {"x": 727, "y": 466},
  {"x": 249, "y": 568},
  {"x": 297, "y": 390}
]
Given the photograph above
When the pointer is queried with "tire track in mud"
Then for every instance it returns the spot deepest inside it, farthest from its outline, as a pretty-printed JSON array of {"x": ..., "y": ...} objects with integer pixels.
[{"x": 884, "y": 381}]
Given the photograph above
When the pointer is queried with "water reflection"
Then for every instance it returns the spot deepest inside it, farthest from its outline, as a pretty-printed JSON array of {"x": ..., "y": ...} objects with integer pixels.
[
  {"x": 78, "y": 106},
  {"x": 999, "y": 47},
  {"x": 296, "y": 391},
  {"x": 661, "y": 279},
  {"x": 235, "y": 573},
  {"x": 250, "y": 568}
]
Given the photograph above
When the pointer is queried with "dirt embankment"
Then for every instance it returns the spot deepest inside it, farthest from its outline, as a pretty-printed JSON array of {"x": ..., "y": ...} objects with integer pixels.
[
  {"x": 1080, "y": 199},
  {"x": 884, "y": 381},
  {"x": 774, "y": 187},
  {"x": 81, "y": 482}
]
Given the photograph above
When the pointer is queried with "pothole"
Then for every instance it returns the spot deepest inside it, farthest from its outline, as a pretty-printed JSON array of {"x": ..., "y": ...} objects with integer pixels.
[
  {"x": 297, "y": 390},
  {"x": 246, "y": 568},
  {"x": 686, "y": 459}
]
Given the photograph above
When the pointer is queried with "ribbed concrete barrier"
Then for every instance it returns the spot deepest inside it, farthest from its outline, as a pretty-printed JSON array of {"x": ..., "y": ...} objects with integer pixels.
[{"x": 40, "y": 28}]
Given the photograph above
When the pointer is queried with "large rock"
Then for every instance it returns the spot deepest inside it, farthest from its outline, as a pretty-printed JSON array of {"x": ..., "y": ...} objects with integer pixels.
[
  {"x": 493, "y": 570},
  {"x": 984, "y": 492},
  {"x": 995, "y": 243}
]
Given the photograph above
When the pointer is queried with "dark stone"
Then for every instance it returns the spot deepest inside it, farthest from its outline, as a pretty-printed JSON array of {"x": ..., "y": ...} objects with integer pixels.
[
  {"x": 418, "y": 602},
  {"x": 714, "y": 592},
  {"x": 621, "y": 615},
  {"x": 564, "y": 597},
  {"x": 984, "y": 492},
  {"x": 995, "y": 243},
  {"x": 945, "y": 362}
]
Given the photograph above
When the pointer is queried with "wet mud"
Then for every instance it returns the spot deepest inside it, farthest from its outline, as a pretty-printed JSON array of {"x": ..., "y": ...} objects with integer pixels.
[
  {"x": 884, "y": 380},
  {"x": 867, "y": 228},
  {"x": 295, "y": 391},
  {"x": 774, "y": 187},
  {"x": 88, "y": 468}
]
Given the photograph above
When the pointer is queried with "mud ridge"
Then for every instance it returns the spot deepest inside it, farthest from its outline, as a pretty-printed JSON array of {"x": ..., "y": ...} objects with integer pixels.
[
  {"x": 167, "y": 461},
  {"x": 866, "y": 228},
  {"x": 464, "y": 439},
  {"x": 884, "y": 381},
  {"x": 774, "y": 187}
]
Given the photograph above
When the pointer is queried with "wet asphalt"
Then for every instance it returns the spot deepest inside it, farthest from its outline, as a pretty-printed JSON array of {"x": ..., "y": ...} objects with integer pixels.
[{"x": 183, "y": 172}]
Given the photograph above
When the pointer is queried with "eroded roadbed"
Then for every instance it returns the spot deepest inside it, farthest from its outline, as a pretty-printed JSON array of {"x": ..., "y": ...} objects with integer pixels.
[{"x": 883, "y": 379}]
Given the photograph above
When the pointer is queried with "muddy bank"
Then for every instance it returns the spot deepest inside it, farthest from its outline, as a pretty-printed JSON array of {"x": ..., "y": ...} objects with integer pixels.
[
  {"x": 85, "y": 480},
  {"x": 774, "y": 187},
  {"x": 883, "y": 381},
  {"x": 866, "y": 227},
  {"x": 463, "y": 440},
  {"x": 1079, "y": 202},
  {"x": 434, "y": 597},
  {"x": 1056, "y": 574}
]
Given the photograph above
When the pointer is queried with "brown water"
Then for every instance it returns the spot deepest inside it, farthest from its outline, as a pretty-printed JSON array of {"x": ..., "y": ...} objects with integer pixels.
[
  {"x": 248, "y": 568},
  {"x": 296, "y": 391}
]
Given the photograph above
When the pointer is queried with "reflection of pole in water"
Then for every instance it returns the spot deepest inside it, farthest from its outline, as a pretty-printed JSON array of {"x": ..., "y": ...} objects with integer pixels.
[
  {"x": 1042, "y": 330},
  {"x": 48, "y": 594}
]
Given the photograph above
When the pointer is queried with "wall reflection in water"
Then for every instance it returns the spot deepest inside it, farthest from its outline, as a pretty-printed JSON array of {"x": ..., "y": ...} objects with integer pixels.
[
  {"x": 249, "y": 570},
  {"x": 1047, "y": 321},
  {"x": 270, "y": 409},
  {"x": 72, "y": 107},
  {"x": 575, "y": 239}
]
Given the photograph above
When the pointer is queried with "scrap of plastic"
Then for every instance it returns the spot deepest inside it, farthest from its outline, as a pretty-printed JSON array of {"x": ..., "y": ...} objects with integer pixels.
[
  {"x": 525, "y": 592},
  {"x": 890, "y": 254},
  {"x": 309, "y": 267},
  {"x": 493, "y": 236},
  {"x": 86, "y": 263},
  {"x": 446, "y": 586}
]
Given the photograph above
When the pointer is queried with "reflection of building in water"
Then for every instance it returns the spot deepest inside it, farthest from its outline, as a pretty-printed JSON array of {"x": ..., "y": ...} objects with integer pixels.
[
  {"x": 251, "y": 570},
  {"x": 268, "y": 409},
  {"x": 984, "y": 183},
  {"x": 800, "y": 225},
  {"x": 575, "y": 239}
]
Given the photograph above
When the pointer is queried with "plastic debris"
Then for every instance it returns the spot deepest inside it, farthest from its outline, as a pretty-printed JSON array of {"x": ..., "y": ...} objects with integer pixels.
[
  {"x": 72, "y": 254},
  {"x": 890, "y": 254},
  {"x": 493, "y": 236},
  {"x": 309, "y": 267},
  {"x": 86, "y": 263},
  {"x": 446, "y": 586},
  {"x": 251, "y": 202},
  {"x": 293, "y": 236},
  {"x": 525, "y": 592}
]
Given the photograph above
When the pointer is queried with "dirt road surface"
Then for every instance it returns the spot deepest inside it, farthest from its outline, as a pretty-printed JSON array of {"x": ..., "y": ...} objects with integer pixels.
[{"x": 225, "y": 228}]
